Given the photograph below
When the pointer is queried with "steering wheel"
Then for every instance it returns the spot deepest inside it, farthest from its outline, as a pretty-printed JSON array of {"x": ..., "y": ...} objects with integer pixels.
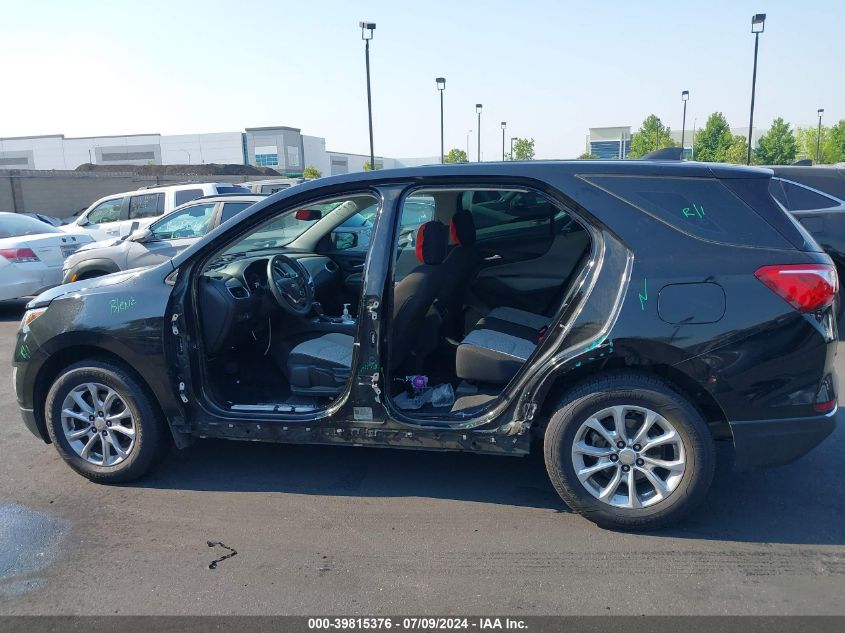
[{"x": 291, "y": 285}]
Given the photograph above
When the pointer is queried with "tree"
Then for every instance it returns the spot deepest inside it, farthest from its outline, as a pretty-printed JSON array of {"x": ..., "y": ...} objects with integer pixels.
[
  {"x": 368, "y": 166},
  {"x": 777, "y": 146},
  {"x": 835, "y": 146},
  {"x": 652, "y": 135},
  {"x": 737, "y": 151},
  {"x": 832, "y": 145},
  {"x": 456, "y": 155},
  {"x": 588, "y": 156},
  {"x": 523, "y": 149},
  {"x": 713, "y": 141},
  {"x": 311, "y": 172}
]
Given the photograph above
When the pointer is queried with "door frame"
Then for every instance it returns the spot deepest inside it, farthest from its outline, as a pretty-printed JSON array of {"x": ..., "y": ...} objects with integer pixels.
[{"x": 360, "y": 401}]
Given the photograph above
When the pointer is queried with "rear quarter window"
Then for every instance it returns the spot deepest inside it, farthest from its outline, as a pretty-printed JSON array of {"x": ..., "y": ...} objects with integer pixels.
[
  {"x": 701, "y": 207},
  {"x": 186, "y": 195}
]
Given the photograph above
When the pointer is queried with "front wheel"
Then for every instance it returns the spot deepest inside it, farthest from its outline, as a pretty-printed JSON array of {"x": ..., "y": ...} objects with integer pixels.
[
  {"x": 103, "y": 423},
  {"x": 629, "y": 453}
]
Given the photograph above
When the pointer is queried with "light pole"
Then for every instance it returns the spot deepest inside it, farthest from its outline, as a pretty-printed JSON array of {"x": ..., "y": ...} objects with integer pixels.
[
  {"x": 513, "y": 138},
  {"x": 819, "y": 137},
  {"x": 441, "y": 86},
  {"x": 758, "y": 25},
  {"x": 468, "y": 133},
  {"x": 694, "y": 121},
  {"x": 478, "y": 111},
  {"x": 367, "y": 29},
  {"x": 90, "y": 156},
  {"x": 189, "y": 155},
  {"x": 684, "y": 98},
  {"x": 504, "y": 126}
]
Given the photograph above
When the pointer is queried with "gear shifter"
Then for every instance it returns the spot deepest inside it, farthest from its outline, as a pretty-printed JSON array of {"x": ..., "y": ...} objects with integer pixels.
[{"x": 317, "y": 308}]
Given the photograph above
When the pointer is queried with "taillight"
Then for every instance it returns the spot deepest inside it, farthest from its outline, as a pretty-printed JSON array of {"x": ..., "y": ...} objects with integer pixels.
[
  {"x": 18, "y": 255},
  {"x": 806, "y": 287}
]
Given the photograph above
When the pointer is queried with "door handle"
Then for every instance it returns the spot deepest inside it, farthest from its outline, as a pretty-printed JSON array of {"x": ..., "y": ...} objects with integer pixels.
[
  {"x": 492, "y": 258},
  {"x": 357, "y": 266}
]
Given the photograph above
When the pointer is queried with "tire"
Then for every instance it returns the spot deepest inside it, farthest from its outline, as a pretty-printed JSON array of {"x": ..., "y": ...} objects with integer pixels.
[
  {"x": 660, "y": 496},
  {"x": 132, "y": 408}
]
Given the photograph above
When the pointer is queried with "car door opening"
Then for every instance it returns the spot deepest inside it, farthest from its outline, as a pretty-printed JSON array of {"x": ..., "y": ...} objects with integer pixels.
[
  {"x": 475, "y": 289},
  {"x": 274, "y": 308}
]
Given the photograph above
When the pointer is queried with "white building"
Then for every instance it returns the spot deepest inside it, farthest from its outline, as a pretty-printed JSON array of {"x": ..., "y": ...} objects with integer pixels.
[
  {"x": 282, "y": 148},
  {"x": 615, "y": 142}
]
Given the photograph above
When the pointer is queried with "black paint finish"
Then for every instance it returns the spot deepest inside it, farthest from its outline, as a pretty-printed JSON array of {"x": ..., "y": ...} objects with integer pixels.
[{"x": 653, "y": 299}]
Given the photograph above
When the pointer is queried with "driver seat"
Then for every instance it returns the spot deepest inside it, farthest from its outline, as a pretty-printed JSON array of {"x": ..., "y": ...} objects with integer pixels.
[{"x": 321, "y": 366}]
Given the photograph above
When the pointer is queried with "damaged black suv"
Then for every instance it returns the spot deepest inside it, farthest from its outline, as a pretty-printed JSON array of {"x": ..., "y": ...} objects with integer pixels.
[{"x": 623, "y": 315}]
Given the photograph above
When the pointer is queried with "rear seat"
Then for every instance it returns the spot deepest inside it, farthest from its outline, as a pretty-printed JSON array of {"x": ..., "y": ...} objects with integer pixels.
[{"x": 499, "y": 344}]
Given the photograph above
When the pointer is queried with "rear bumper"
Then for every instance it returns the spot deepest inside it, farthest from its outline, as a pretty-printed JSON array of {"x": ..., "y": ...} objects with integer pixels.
[
  {"x": 762, "y": 443},
  {"x": 27, "y": 281}
]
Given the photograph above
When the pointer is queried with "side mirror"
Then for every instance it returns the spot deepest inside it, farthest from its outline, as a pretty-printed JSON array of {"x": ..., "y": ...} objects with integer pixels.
[
  {"x": 344, "y": 240},
  {"x": 141, "y": 236},
  {"x": 308, "y": 215},
  {"x": 83, "y": 221}
]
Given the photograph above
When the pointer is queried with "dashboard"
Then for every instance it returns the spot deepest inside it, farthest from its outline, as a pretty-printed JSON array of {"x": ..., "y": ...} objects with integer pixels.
[{"x": 234, "y": 296}]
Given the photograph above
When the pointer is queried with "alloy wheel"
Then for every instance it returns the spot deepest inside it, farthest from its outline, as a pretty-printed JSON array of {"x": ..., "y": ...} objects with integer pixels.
[
  {"x": 629, "y": 456},
  {"x": 98, "y": 424}
]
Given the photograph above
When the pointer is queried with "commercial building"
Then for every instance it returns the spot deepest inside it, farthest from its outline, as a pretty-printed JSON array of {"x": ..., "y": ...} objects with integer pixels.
[
  {"x": 615, "y": 142},
  {"x": 282, "y": 148}
]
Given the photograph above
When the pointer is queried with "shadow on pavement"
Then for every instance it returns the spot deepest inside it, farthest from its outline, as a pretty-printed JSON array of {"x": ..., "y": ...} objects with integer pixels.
[
  {"x": 799, "y": 504},
  {"x": 12, "y": 310}
]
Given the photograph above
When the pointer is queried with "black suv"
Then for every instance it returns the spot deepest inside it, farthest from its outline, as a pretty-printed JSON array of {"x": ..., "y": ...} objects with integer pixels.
[{"x": 624, "y": 315}]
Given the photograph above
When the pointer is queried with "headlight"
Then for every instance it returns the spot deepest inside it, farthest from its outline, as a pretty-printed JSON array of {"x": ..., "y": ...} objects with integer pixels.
[{"x": 30, "y": 315}]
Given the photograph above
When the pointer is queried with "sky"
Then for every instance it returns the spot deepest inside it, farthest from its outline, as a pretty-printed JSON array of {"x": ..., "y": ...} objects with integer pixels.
[{"x": 550, "y": 69}]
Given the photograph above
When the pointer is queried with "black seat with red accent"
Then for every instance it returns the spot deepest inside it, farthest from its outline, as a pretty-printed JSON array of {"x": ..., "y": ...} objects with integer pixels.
[
  {"x": 415, "y": 329},
  {"x": 461, "y": 264}
]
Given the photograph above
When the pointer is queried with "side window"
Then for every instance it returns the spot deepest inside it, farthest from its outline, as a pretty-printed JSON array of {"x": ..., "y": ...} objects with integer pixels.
[
  {"x": 147, "y": 205},
  {"x": 190, "y": 222},
  {"x": 701, "y": 207},
  {"x": 799, "y": 198},
  {"x": 353, "y": 234},
  {"x": 231, "y": 209},
  {"x": 186, "y": 195},
  {"x": 105, "y": 212}
]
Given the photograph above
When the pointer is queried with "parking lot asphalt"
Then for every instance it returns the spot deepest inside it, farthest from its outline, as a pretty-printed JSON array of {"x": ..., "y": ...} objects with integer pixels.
[{"x": 334, "y": 530}]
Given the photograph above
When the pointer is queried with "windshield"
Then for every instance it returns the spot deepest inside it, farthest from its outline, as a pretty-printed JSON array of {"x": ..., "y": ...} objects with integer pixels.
[
  {"x": 357, "y": 213},
  {"x": 12, "y": 225}
]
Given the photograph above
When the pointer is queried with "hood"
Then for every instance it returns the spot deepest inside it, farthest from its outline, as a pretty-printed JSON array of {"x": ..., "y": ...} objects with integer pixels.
[{"x": 46, "y": 297}]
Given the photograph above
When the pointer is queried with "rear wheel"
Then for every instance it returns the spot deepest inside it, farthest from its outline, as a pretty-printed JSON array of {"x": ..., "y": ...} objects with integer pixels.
[
  {"x": 628, "y": 452},
  {"x": 103, "y": 423}
]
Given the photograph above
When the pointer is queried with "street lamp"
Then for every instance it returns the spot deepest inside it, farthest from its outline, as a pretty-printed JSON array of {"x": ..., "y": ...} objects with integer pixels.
[
  {"x": 758, "y": 25},
  {"x": 819, "y": 137},
  {"x": 441, "y": 86},
  {"x": 684, "y": 98},
  {"x": 189, "y": 155},
  {"x": 513, "y": 138},
  {"x": 504, "y": 125},
  {"x": 367, "y": 29},
  {"x": 478, "y": 111},
  {"x": 468, "y": 133}
]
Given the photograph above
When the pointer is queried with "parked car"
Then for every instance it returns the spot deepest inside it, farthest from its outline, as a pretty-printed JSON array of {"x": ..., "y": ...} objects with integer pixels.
[
  {"x": 163, "y": 239},
  {"x": 626, "y": 315},
  {"x": 113, "y": 215},
  {"x": 31, "y": 255},
  {"x": 827, "y": 179},
  {"x": 272, "y": 185}
]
